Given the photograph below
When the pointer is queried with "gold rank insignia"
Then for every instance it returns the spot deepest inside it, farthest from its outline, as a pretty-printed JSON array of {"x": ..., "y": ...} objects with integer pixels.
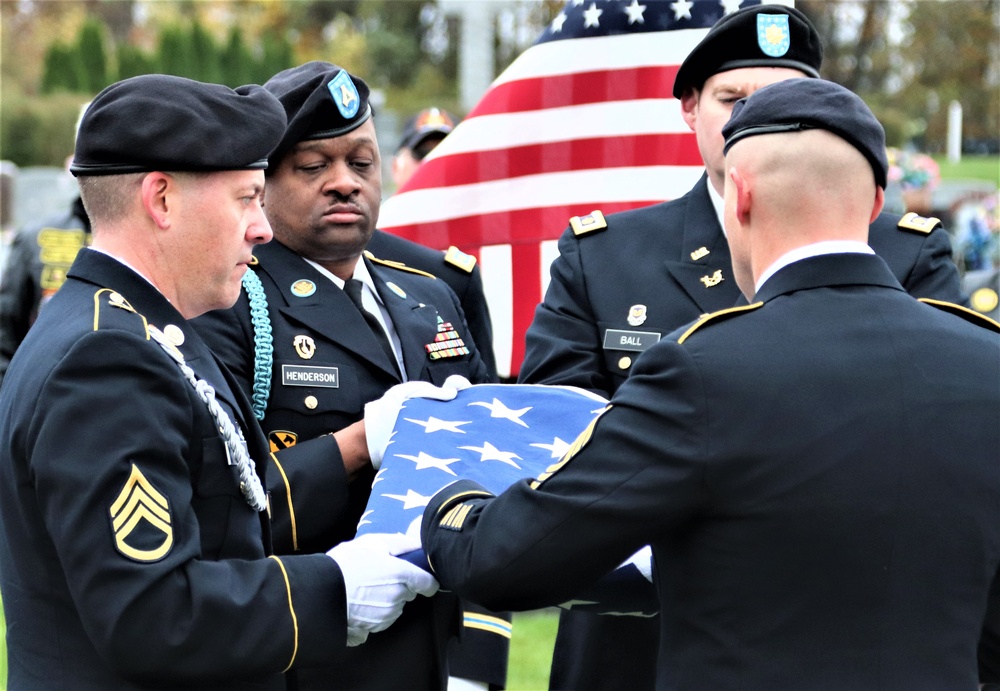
[
  {"x": 918, "y": 224},
  {"x": 636, "y": 315},
  {"x": 447, "y": 343},
  {"x": 699, "y": 253},
  {"x": 305, "y": 346},
  {"x": 280, "y": 440},
  {"x": 582, "y": 225},
  {"x": 713, "y": 280},
  {"x": 140, "y": 518},
  {"x": 456, "y": 257},
  {"x": 303, "y": 288}
]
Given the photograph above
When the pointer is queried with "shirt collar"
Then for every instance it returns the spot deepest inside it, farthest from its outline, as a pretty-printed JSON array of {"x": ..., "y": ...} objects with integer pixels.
[
  {"x": 813, "y": 250},
  {"x": 719, "y": 204},
  {"x": 360, "y": 272}
]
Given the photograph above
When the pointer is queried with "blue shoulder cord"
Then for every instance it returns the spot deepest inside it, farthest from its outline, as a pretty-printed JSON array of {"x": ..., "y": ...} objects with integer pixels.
[{"x": 263, "y": 342}]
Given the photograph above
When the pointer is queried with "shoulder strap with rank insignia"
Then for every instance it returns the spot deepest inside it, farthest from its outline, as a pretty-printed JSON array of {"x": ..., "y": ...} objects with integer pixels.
[
  {"x": 397, "y": 265},
  {"x": 965, "y": 313},
  {"x": 459, "y": 259},
  {"x": 918, "y": 224},
  {"x": 582, "y": 225},
  {"x": 716, "y": 317}
]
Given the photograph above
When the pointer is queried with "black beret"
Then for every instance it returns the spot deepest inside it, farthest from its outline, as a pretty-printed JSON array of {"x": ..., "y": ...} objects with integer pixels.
[
  {"x": 321, "y": 101},
  {"x": 807, "y": 104},
  {"x": 162, "y": 122},
  {"x": 757, "y": 36},
  {"x": 425, "y": 123}
]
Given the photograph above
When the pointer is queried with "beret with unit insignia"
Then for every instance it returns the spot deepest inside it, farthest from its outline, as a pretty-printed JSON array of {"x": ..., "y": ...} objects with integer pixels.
[
  {"x": 321, "y": 100},
  {"x": 757, "y": 36}
]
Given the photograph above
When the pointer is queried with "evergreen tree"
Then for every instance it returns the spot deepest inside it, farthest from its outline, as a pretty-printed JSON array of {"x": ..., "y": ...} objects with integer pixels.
[
  {"x": 62, "y": 72},
  {"x": 92, "y": 56},
  {"x": 174, "y": 52},
  {"x": 133, "y": 61},
  {"x": 277, "y": 56},
  {"x": 236, "y": 61},
  {"x": 204, "y": 54}
]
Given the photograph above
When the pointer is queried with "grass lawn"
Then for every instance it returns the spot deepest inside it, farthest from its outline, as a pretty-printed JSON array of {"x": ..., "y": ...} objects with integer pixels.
[
  {"x": 971, "y": 167},
  {"x": 531, "y": 644}
]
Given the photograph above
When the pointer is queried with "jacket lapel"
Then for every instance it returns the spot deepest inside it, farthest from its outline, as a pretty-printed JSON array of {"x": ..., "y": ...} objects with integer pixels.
[
  {"x": 326, "y": 310},
  {"x": 415, "y": 323},
  {"x": 704, "y": 267}
]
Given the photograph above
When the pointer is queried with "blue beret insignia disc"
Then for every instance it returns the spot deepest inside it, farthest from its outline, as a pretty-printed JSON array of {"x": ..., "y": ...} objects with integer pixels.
[
  {"x": 772, "y": 34},
  {"x": 345, "y": 94}
]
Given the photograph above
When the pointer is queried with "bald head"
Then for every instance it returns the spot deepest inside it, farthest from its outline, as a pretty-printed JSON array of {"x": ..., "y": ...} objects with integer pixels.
[{"x": 791, "y": 189}]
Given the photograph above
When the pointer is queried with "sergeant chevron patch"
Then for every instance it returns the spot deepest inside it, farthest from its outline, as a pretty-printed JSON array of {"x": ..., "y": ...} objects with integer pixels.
[{"x": 140, "y": 519}]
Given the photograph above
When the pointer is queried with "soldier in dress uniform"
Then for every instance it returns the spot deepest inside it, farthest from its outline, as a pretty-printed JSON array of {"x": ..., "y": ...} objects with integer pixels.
[
  {"x": 622, "y": 282},
  {"x": 135, "y": 545},
  {"x": 815, "y": 521},
  {"x": 459, "y": 270},
  {"x": 310, "y": 358}
]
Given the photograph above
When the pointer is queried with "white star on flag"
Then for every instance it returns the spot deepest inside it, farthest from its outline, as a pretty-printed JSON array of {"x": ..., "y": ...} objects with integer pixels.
[
  {"x": 682, "y": 9},
  {"x": 499, "y": 410},
  {"x": 730, "y": 6},
  {"x": 491, "y": 453},
  {"x": 635, "y": 12},
  {"x": 425, "y": 461},
  {"x": 433, "y": 424},
  {"x": 411, "y": 500},
  {"x": 592, "y": 16},
  {"x": 558, "y": 447},
  {"x": 364, "y": 518}
]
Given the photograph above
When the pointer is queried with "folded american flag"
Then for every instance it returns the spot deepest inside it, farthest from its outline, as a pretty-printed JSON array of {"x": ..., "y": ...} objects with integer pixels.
[{"x": 494, "y": 434}]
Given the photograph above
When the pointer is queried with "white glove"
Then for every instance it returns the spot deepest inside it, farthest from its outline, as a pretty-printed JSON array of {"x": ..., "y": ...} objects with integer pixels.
[
  {"x": 381, "y": 414},
  {"x": 378, "y": 584},
  {"x": 642, "y": 560}
]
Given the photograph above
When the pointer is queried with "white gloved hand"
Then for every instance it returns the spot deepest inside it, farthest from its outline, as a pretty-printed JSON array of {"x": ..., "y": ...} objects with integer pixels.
[
  {"x": 381, "y": 414},
  {"x": 378, "y": 583},
  {"x": 642, "y": 560}
]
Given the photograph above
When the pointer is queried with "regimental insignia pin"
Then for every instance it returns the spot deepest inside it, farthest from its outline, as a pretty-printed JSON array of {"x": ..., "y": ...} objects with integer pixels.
[
  {"x": 699, "y": 253},
  {"x": 636, "y": 315},
  {"x": 140, "y": 519},
  {"x": 305, "y": 346},
  {"x": 396, "y": 289},
  {"x": 174, "y": 334},
  {"x": 345, "y": 94},
  {"x": 773, "y": 36},
  {"x": 303, "y": 288},
  {"x": 713, "y": 280},
  {"x": 116, "y": 300},
  {"x": 447, "y": 343},
  {"x": 280, "y": 440}
]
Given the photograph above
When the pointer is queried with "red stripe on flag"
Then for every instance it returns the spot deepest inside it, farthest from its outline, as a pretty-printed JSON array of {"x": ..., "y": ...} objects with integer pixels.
[
  {"x": 557, "y": 157},
  {"x": 469, "y": 233},
  {"x": 527, "y": 292},
  {"x": 577, "y": 89}
]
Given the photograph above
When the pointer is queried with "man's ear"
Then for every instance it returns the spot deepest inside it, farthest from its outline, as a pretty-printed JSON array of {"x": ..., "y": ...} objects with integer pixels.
[
  {"x": 879, "y": 204},
  {"x": 157, "y": 188},
  {"x": 741, "y": 188},
  {"x": 689, "y": 107}
]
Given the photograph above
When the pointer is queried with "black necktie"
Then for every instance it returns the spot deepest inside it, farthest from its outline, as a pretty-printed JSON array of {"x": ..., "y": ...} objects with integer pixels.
[{"x": 352, "y": 287}]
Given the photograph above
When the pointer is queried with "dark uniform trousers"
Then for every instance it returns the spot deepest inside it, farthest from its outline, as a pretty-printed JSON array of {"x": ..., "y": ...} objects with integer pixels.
[
  {"x": 617, "y": 290},
  {"x": 37, "y": 261},
  {"x": 819, "y": 478},
  {"x": 460, "y": 271},
  {"x": 129, "y": 558},
  {"x": 315, "y": 328}
]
